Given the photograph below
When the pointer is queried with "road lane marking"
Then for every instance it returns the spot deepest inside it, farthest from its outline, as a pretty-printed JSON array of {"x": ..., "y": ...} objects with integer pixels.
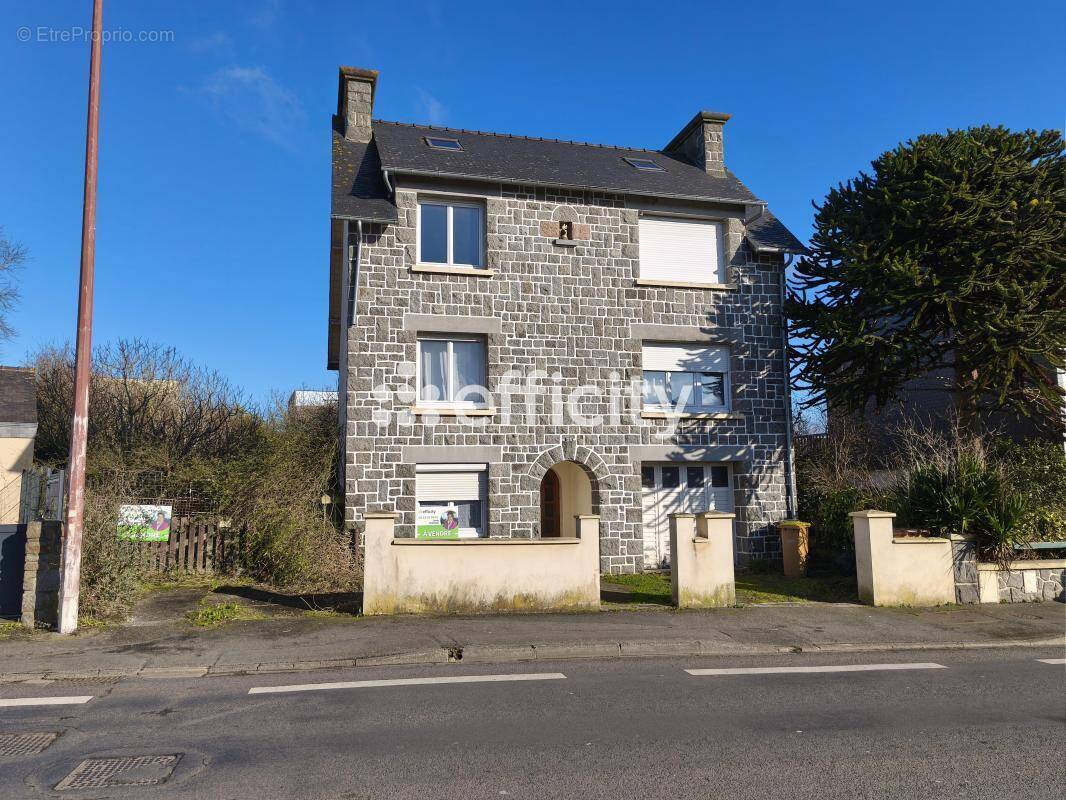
[
  {"x": 74, "y": 700},
  {"x": 314, "y": 687},
  {"x": 829, "y": 668},
  {"x": 1052, "y": 660}
]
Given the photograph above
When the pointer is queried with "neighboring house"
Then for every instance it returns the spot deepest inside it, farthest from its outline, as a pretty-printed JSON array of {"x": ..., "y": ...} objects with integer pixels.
[
  {"x": 933, "y": 403},
  {"x": 619, "y": 307},
  {"x": 311, "y": 398},
  {"x": 18, "y": 428}
]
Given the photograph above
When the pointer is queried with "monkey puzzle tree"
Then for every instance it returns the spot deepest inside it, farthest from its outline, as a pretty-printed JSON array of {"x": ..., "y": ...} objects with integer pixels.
[{"x": 948, "y": 258}]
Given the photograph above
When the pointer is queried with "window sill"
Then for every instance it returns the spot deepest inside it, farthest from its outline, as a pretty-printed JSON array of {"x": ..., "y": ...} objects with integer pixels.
[
  {"x": 565, "y": 242},
  {"x": 721, "y": 287},
  {"x": 481, "y": 542},
  {"x": 714, "y": 415},
  {"x": 450, "y": 269},
  {"x": 452, "y": 411}
]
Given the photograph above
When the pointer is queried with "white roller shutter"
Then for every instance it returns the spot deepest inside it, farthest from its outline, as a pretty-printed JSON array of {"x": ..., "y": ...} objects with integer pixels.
[
  {"x": 450, "y": 484},
  {"x": 684, "y": 358},
  {"x": 686, "y": 250}
]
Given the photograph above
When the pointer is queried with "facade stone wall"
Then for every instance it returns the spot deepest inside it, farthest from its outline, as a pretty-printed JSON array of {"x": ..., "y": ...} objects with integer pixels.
[
  {"x": 569, "y": 313},
  {"x": 41, "y": 578},
  {"x": 1031, "y": 585}
]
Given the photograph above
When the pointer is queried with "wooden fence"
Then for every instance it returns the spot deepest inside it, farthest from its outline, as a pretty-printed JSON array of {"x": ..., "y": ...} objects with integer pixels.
[{"x": 196, "y": 545}]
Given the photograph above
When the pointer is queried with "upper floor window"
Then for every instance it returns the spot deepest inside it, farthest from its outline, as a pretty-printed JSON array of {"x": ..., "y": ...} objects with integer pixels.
[
  {"x": 682, "y": 250},
  {"x": 451, "y": 233},
  {"x": 685, "y": 377},
  {"x": 451, "y": 371}
]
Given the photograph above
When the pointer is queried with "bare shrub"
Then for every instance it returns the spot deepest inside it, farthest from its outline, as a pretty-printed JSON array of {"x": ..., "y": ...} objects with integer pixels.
[
  {"x": 143, "y": 398},
  {"x": 111, "y": 568},
  {"x": 293, "y": 541}
]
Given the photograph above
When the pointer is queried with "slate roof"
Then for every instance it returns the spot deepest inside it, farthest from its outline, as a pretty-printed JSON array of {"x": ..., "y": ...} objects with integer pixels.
[
  {"x": 768, "y": 234},
  {"x": 18, "y": 396},
  {"x": 359, "y": 191},
  {"x": 521, "y": 159}
]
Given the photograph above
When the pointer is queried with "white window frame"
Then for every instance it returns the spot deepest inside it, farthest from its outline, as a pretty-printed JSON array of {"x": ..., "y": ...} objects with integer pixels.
[
  {"x": 450, "y": 205},
  {"x": 450, "y": 377},
  {"x": 690, "y": 407},
  {"x": 716, "y": 273},
  {"x": 694, "y": 405},
  {"x": 483, "y": 497}
]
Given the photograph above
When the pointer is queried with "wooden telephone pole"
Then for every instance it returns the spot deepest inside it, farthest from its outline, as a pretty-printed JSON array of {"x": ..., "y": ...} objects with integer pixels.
[{"x": 71, "y": 570}]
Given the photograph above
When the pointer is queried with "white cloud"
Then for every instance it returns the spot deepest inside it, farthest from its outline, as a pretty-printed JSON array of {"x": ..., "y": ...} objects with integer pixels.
[
  {"x": 217, "y": 42},
  {"x": 431, "y": 109},
  {"x": 250, "y": 98},
  {"x": 266, "y": 16}
]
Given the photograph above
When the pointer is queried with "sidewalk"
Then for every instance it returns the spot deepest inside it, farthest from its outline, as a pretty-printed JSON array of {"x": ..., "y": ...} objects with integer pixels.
[{"x": 175, "y": 648}]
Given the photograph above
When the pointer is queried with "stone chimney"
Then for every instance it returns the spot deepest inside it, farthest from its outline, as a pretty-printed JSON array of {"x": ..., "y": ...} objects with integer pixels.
[
  {"x": 355, "y": 102},
  {"x": 701, "y": 142}
]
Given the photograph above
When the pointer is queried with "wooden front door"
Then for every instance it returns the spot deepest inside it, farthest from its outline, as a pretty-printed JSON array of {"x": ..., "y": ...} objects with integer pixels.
[{"x": 549, "y": 504}]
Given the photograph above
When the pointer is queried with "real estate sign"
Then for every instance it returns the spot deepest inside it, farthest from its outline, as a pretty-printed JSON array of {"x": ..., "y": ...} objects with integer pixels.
[
  {"x": 437, "y": 522},
  {"x": 144, "y": 523}
]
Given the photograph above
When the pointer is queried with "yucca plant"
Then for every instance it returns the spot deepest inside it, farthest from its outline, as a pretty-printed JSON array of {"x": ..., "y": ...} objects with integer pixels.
[
  {"x": 967, "y": 496},
  {"x": 1000, "y": 526}
]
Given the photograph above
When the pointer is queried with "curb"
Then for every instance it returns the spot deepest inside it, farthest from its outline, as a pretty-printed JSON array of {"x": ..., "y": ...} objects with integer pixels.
[{"x": 503, "y": 654}]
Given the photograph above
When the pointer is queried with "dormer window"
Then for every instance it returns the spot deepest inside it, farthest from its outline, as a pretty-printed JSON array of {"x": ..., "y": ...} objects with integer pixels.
[
  {"x": 643, "y": 164},
  {"x": 442, "y": 143}
]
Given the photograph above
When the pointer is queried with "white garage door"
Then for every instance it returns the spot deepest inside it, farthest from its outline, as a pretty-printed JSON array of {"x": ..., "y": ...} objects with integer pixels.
[{"x": 675, "y": 488}]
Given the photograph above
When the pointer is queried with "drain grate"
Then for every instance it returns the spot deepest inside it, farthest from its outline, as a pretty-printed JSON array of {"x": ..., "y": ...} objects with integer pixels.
[
  {"x": 94, "y": 773},
  {"x": 25, "y": 744}
]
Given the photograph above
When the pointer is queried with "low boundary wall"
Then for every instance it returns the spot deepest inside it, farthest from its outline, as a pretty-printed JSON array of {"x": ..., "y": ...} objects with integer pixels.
[
  {"x": 1024, "y": 582},
  {"x": 408, "y": 576},
  {"x": 701, "y": 560},
  {"x": 905, "y": 571}
]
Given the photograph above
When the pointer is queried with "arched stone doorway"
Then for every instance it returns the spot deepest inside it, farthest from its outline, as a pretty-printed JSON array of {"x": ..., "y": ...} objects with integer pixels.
[{"x": 565, "y": 492}]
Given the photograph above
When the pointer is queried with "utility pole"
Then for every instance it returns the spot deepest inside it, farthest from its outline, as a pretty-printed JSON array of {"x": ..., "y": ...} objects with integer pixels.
[{"x": 71, "y": 570}]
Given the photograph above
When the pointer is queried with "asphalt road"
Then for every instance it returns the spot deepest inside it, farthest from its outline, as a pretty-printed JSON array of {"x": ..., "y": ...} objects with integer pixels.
[{"x": 982, "y": 724}]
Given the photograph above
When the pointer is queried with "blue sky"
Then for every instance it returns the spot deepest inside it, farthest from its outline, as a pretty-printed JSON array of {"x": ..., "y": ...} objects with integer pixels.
[{"x": 214, "y": 171}]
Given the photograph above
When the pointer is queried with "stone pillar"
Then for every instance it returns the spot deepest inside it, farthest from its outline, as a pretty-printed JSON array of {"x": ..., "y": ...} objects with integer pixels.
[
  {"x": 701, "y": 560},
  {"x": 41, "y": 578},
  {"x": 588, "y": 531},
  {"x": 379, "y": 569},
  {"x": 964, "y": 560}
]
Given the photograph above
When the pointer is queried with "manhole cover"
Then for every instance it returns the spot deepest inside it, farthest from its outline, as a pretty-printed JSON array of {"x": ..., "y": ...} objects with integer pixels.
[
  {"x": 126, "y": 771},
  {"x": 25, "y": 744}
]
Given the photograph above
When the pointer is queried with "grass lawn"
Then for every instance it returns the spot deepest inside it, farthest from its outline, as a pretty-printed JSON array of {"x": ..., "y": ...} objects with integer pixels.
[{"x": 752, "y": 587}]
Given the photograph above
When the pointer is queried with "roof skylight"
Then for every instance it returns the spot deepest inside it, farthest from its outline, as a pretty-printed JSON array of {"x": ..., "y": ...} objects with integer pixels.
[
  {"x": 442, "y": 143},
  {"x": 643, "y": 164}
]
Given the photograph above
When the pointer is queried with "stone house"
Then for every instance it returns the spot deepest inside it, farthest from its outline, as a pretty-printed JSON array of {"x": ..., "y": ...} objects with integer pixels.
[{"x": 528, "y": 329}]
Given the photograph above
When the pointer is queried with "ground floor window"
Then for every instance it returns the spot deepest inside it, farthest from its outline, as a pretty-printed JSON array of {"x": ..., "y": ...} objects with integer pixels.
[
  {"x": 678, "y": 488},
  {"x": 452, "y": 501}
]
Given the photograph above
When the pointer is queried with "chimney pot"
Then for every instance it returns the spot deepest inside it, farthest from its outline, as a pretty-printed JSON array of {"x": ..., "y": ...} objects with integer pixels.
[
  {"x": 702, "y": 142},
  {"x": 355, "y": 102}
]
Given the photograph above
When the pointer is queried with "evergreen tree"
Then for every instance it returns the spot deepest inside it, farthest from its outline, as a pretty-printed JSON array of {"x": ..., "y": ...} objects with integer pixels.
[{"x": 947, "y": 258}]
